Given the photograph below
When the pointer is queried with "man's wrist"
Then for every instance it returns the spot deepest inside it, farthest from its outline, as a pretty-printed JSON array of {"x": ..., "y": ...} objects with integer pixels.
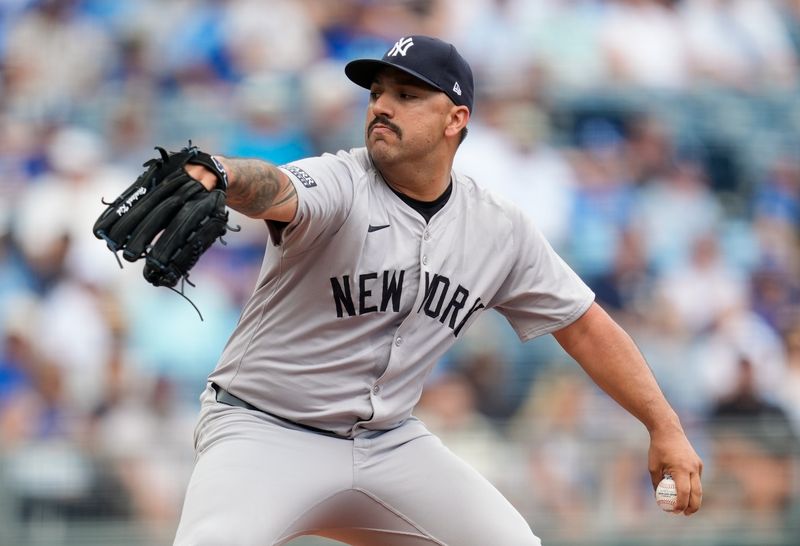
[
  {"x": 669, "y": 423},
  {"x": 219, "y": 161}
]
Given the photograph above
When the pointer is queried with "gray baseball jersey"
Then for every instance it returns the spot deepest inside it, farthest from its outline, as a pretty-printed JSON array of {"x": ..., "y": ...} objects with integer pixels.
[{"x": 359, "y": 297}]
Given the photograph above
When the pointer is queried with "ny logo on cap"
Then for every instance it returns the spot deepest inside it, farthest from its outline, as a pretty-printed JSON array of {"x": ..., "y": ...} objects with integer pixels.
[{"x": 401, "y": 46}]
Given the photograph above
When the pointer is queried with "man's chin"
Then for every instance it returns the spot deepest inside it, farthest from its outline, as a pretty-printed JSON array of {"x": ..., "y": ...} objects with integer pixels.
[
  {"x": 379, "y": 146},
  {"x": 381, "y": 152}
]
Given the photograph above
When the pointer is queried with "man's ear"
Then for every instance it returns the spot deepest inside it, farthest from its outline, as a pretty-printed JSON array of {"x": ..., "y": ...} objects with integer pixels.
[{"x": 457, "y": 120}]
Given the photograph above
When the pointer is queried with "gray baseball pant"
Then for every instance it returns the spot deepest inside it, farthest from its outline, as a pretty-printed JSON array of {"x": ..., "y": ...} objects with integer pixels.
[{"x": 259, "y": 480}]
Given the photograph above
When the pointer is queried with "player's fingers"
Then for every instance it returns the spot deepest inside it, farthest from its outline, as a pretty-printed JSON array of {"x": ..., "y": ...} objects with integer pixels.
[
  {"x": 202, "y": 174},
  {"x": 696, "y": 494},
  {"x": 683, "y": 487}
]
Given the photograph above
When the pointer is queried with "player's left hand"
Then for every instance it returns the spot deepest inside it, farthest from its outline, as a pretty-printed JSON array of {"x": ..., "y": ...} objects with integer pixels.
[
  {"x": 168, "y": 217},
  {"x": 671, "y": 453},
  {"x": 208, "y": 178}
]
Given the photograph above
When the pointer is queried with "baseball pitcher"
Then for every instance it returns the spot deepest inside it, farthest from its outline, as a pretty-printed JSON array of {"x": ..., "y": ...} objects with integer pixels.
[{"x": 380, "y": 258}]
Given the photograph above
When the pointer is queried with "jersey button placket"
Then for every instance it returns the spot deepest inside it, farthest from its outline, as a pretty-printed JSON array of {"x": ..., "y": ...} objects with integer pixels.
[
  {"x": 425, "y": 247},
  {"x": 398, "y": 341}
]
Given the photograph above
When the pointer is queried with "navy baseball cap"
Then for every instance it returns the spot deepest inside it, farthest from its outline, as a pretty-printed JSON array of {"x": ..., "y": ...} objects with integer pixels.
[{"x": 431, "y": 60}]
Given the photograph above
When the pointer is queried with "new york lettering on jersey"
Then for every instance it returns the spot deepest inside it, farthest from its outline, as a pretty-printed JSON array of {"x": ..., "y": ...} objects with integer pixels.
[
  {"x": 391, "y": 290},
  {"x": 442, "y": 300}
]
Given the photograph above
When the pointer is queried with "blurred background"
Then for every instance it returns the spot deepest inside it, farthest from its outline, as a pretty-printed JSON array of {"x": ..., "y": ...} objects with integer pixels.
[{"x": 655, "y": 142}]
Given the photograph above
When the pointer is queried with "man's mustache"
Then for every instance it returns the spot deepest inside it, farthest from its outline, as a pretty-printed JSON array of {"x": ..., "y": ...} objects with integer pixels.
[{"x": 383, "y": 120}]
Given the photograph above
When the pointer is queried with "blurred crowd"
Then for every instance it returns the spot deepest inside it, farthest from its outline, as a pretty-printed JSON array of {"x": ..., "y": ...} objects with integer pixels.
[{"x": 654, "y": 142}]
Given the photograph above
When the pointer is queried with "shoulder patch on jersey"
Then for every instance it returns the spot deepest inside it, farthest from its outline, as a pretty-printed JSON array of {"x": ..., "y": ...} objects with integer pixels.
[{"x": 304, "y": 178}]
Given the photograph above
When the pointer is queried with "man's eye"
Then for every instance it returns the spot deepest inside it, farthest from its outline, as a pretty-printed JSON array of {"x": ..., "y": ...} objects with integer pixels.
[
  {"x": 373, "y": 95},
  {"x": 407, "y": 96}
]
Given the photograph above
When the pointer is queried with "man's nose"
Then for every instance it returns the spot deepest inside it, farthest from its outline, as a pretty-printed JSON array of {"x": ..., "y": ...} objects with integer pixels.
[{"x": 383, "y": 106}]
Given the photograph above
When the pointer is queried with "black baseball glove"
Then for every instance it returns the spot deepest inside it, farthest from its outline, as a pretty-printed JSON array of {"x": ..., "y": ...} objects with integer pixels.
[{"x": 166, "y": 202}]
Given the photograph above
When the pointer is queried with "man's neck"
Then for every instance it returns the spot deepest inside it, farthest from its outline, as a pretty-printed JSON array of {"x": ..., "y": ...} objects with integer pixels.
[{"x": 416, "y": 180}]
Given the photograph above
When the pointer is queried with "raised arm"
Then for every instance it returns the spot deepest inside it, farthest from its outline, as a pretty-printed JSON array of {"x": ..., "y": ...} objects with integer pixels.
[
  {"x": 255, "y": 188},
  {"x": 610, "y": 357}
]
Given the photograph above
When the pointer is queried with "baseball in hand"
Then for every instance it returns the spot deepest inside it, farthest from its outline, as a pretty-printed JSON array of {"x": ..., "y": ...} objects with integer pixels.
[{"x": 666, "y": 494}]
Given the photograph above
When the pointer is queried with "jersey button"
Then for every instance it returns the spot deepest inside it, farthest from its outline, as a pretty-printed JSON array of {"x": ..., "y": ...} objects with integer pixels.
[
  {"x": 424, "y": 260},
  {"x": 427, "y": 235},
  {"x": 376, "y": 389},
  {"x": 398, "y": 341}
]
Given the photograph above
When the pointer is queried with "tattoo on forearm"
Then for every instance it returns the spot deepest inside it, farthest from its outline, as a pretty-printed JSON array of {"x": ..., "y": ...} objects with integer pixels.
[{"x": 257, "y": 187}]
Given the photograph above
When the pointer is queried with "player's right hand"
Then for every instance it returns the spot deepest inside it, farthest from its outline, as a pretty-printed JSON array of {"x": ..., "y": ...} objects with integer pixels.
[{"x": 671, "y": 453}]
